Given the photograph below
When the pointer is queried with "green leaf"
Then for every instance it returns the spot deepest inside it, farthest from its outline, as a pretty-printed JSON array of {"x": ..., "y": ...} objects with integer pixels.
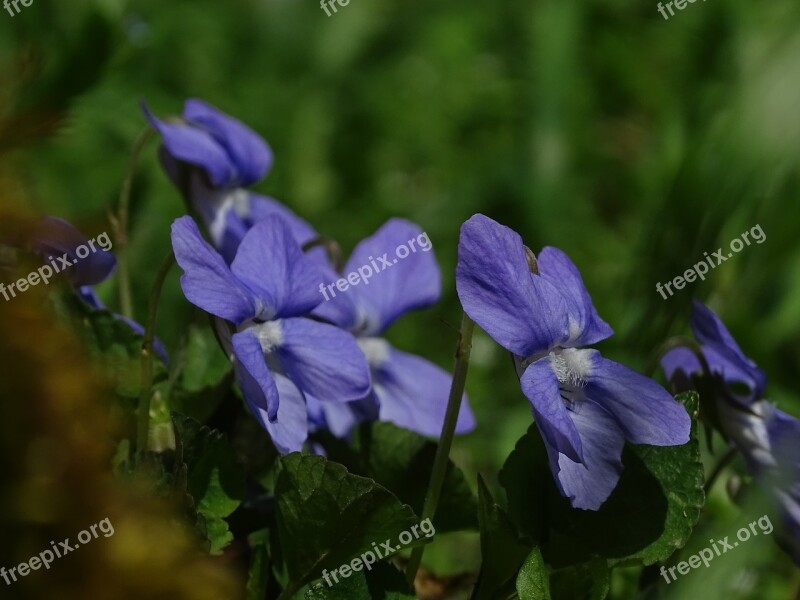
[
  {"x": 533, "y": 581},
  {"x": 327, "y": 516},
  {"x": 214, "y": 479},
  {"x": 205, "y": 364},
  {"x": 110, "y": 341},
  {"x": 501, "y": 550},
  {"x": 258, "y": 574},
  {"x": 649, "y": 515},
  {"x": 590, "y": 580},
  {"x": 402, "y": 460},
  {"x": 384, "y": 582},
  {"x": 205, "y": 377}
]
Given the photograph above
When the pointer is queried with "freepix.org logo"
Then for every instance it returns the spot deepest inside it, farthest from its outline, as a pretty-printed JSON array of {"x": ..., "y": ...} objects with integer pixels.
[
  {"x": 57, "y": 265},
  {"x": 376, "y": 265},
  {"x": 8, "y": 4},
  {"x": 46, "y": 557}
]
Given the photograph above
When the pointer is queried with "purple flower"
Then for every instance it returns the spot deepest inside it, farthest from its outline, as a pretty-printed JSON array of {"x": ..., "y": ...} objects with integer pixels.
[
  {"x": 408, "y": 391},
  {"x": 584, "y": 405},
  {"x": 230, "y": 153},
  {"x": 739, "y": 375},
  {"x": 211, "y": 158},
  {"x": 56, "y": 241},
  {"x": 280, "y": 357},
  {"x": 767, "y": 437},
  {"x": 54, "y": 237}
]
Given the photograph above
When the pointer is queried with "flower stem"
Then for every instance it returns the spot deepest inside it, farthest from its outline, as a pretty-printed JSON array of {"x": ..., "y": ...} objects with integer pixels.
[
  {"x": 440, "y": 462},
  {"x": 120, "y": 224},
  {"x": 331, "y": 247},
  {"x": 143, "y": 422},
  {"x": 721, "y": 465}
]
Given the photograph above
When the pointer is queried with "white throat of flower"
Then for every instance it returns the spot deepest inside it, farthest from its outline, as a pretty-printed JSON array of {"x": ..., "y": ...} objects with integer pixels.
[
  {"x": 214, "y": 206},
  {"x": 571, "y": 366},
  {"x": 574, "y": 330},
  {"x": 270, "y": 335},
  {"x": 748, "y": 430},
  {"x": 375, "y": 349}
]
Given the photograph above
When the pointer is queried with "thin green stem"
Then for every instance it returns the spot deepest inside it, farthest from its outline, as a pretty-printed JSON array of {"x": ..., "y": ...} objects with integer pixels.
[
  {"x": 721, "y": 466},
  {"x": 463, "y": 350},
  {"x": 331, "y": 247},
  {"x": 143, "y": 421},
  {"x": 120, "y": 224}
]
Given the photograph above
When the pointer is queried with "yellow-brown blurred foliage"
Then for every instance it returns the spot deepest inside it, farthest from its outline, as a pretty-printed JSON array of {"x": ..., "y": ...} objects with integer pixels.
[{"x": 57, "y": 439}]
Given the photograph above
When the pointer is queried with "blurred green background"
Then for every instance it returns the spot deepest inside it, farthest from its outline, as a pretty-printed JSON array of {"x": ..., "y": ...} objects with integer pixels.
[{"x": 633, "y": 143}]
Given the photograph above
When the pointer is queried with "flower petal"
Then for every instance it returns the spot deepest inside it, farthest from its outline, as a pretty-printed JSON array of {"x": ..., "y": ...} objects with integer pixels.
[
  {"x": 790, "y": 516},
  {"x": 645, "y": 411},
  {"x": 231, "y": 230},
  {"x": 784, "y": 432},
  {"x": 324, "y": 361},
  {"x": 586, "y": 326},
  {"x": 207, "y": 281},
  {"x": 590, "y": 483},
  {"x": 290, "y": 430},
  {"x": 412, "y": 393},
  {"x": 248, "y": 151},
  {"x": 54, "y": 237},
  {"x": 680, "y": 359},
  {"x": 540, "y": 386},
  {"x": 198, "y": 147},
  {"x": 680, "y": 365},
  {"x": 402, "y": 285},
  {"x": 255, "y": 379},
  {"x": 337, "y": 307},
  {"x": 340, "y": 417},
  {"x": 269, "y": 261},
  {"x": 729, "y": 360},
  {"x": 260, "y": 207},
  {"x": 522, "y": 312}
]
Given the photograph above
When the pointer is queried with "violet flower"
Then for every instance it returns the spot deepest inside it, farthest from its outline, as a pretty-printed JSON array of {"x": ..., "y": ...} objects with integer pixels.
[
  {"x": 279, "y": 357},
  {"x": 54, "y": 237},
  {"x": 211, "y": 158},
  {"x": 408, "y": 390},
  {"x": 584, "y": 405},
  {"x": 767, "y": 437}
]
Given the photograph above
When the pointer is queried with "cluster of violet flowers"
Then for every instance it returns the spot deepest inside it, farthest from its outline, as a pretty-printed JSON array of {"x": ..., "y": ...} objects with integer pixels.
[
  {"x": 301, "y": 366},
  {"x": 304, "y": 365}
]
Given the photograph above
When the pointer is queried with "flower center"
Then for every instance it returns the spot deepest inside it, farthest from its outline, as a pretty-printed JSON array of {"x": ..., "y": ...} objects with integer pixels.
[
  {"x": 571, "y": 366},
  {"x": 270, "y": 335},
  {"x": 375, "y": 349}
]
